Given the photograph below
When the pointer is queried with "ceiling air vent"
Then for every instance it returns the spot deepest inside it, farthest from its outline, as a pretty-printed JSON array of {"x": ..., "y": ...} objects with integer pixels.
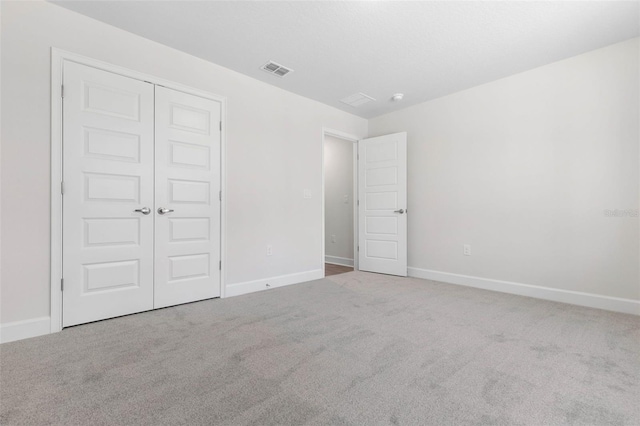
[
  {"x": 276, "y": 69},
  {"x": 357, "y": 99}
]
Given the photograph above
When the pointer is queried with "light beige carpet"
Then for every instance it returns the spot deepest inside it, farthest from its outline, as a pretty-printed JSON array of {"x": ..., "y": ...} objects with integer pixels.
[{"x": 359, "y": 349}]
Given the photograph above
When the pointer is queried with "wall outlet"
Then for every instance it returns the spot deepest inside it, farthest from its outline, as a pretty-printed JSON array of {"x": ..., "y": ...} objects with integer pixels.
[
  {"x": 306, "y": 193},
  {"x": 269, "y": 250},
  {"x": 466, "y": 249},
  {"x": 333, "y": 238},
  {"x": 346, "y": 199}
]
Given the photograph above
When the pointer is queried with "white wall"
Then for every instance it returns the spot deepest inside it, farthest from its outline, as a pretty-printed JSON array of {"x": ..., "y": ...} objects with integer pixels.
[
  {"x": 523, "y": 168},
  {"x": 274, "y": 141},
  {"x": 338, "y": 210}
]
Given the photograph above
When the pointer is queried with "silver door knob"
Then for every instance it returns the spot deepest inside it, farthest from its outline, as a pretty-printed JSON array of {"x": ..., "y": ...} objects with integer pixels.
[
  {"x": 162, "y": 210},
  {"x": 399, "y": 211},
  {"x": 144, "y": 210}
]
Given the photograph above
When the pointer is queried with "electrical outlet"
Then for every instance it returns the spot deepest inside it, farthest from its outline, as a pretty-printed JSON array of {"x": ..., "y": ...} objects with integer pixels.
[
  {"x": 346, "y": 199},
  {"x": 466, "y": 249},
  {"x": 269, "y": 250},
  {"x": 333, "y": 238},
  {"x": 306, "y": 193}
]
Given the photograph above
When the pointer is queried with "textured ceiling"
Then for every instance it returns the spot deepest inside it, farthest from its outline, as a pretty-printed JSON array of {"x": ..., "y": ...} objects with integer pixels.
[{"x": 422, "y": 49}]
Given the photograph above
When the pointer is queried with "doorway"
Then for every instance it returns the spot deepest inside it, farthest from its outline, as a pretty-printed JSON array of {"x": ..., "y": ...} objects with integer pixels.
[{"x": 340, "y": 203}]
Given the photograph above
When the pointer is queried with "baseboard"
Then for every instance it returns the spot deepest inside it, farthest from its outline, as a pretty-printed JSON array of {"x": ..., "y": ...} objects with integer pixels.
[
  {"x": 273, "y": 282},
  {"x": 18, "y": 330},
  {"x": 335, "y": 260},
  {"x": 615, "y": 304}
]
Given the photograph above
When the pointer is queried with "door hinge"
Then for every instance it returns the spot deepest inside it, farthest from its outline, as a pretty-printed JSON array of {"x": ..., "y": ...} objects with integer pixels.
[
  {"x": 358, "y": 202},
  {"x": 221, "y": 126},
  {"x": 220, "y": 195},
  {"x": 62, "y": 91},
  {"x": 358, "y": 247},
  {"x": 61, "y": 284},
  {"x": 220, "y": 265},
  {"x": 62, "y": 188}
]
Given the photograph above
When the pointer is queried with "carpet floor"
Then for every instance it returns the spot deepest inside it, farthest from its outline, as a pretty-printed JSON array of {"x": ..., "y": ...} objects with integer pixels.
[{"x": 356, "y": 349}]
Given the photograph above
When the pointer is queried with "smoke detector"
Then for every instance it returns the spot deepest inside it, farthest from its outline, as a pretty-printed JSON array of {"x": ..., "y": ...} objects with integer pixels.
[
  {"x": 397, "y": 97},
  {"x": 276, "y": 69},
  {"x": 357, "y": 99}
]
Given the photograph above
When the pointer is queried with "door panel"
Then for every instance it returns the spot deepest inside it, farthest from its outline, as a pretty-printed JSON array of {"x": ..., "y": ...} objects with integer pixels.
[
  {"x": 382, "y": 191},
  {"x": 187, "y": 242},
  {"x": 108, "y": 173}
]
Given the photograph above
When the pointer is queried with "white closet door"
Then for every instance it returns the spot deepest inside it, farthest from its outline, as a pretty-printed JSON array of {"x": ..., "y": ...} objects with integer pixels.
[
  {"x": 108, "y": 175},
  {"x": 187, "y": 209},
  {"x": 382, "y": 192}
]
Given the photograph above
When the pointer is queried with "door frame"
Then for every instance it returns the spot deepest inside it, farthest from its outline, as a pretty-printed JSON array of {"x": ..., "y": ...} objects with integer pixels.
[
  {"x": 354, "y": 140},
  {"x": 58, "y": 58}
]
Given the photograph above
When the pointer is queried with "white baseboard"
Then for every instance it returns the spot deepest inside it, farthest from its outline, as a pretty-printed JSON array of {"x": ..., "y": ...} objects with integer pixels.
[
  {"x": 18, "y": 330},
  {"x": 273, "y": 282},
  {"x": 335, "y": 260},
  {"x": 616, "y": 304}
]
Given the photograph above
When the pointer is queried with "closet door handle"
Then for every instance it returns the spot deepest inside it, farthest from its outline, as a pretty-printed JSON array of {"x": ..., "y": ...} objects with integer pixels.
[
  {"x": 162, "y": 210},
  {"x": 401, "y": 211},
  {"x": 144, "y": 210}
]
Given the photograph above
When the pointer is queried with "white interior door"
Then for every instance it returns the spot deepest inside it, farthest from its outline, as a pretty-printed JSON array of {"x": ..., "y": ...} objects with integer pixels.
[
  {"x": 187, "y": 207},
  {"x": 382, "y": 210},
  {"x": 108, "y": 180}
]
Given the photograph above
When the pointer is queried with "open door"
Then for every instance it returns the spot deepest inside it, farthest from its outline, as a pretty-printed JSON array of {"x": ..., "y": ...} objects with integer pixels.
[{"x": 382, "y": 204}]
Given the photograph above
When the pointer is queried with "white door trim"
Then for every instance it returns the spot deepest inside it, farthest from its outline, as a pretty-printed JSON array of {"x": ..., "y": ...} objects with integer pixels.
[
  {"x": 58, "y": 57},
  {"x": 354, "y": 139}
]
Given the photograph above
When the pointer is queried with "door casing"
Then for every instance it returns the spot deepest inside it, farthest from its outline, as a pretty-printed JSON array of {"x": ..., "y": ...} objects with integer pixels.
[{"x": 58, "y": 58}]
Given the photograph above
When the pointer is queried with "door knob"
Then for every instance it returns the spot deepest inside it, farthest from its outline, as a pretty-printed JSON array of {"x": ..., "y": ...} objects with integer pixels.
[
  {"x": 162, "y": 210},
  {"x": 144, "y": 210},
  {"x": 399, "y": 211}
]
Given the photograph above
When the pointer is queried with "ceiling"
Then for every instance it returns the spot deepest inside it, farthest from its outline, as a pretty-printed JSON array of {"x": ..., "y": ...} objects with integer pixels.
[{"x": 422, "y": 49}]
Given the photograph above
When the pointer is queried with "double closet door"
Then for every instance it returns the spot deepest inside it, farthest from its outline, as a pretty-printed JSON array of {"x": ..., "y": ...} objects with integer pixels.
[{"x": 141, "y": 205}]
